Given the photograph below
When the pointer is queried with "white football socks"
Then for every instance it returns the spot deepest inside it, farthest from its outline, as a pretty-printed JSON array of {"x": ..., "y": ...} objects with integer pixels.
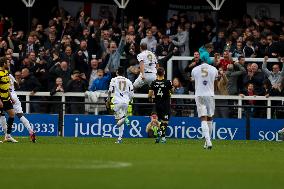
[
  {"x": 26, "y": 123},
  {"x": 205, "y": 132},
  {"x": 120, "y": 134},
  {"x": 121, "y": 121},
  {"x": 3, "y": 122},
  {"x": 210, "y": 123}
]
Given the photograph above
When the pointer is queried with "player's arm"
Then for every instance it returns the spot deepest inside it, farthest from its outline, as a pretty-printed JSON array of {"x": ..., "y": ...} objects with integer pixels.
[
  {"x": 150, "y": 95},
  {"x": 110, "y": 91},
  {"x": 141, "y": 65},
  {"x": 131, "y": 91}
]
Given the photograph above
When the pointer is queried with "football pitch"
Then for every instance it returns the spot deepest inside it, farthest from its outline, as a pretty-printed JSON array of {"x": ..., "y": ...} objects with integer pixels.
[{"x": 56, "y": 162}]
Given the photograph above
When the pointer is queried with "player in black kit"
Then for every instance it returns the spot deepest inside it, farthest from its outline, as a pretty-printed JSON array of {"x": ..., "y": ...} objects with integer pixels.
[{"x": 160, "y": 92}]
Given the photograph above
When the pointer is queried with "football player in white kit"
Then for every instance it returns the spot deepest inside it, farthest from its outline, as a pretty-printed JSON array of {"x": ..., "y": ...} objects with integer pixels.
[
  {"x": 18, "y": 107},
  {"x": 123, "y": 93},
  {"x": 148, "y": 62},
  {"x": 205, "y": 76}
]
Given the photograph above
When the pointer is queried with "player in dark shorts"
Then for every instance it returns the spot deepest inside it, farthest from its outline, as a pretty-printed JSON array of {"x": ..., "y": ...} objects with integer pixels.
[
  {"x": 6, "y": 102},
  {"x": 160, "y": 92}
]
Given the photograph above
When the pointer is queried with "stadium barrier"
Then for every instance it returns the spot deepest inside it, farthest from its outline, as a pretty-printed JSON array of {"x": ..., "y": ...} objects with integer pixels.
[
  {"x": 179, "y": 127},
  {"x": 43, "y": 125},
  {"x": 170, "y": 62},
  {"x": 238, "y": 99}
]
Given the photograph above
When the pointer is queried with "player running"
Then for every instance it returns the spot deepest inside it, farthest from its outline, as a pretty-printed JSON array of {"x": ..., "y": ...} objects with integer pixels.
[
  {"x": 18, "y": 108},
  {"x": 6, "y": 103},
  {"x": 17, "y": 105},
  {"x": 123, "y": 94},
  {"x": 204, "y": 76},
  {"x": 160, "y": 92},
  {"x": 147, "y": 61}
]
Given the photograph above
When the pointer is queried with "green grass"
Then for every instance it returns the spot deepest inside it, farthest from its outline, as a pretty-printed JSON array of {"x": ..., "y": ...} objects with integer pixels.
[{"x": 138, "y": 163}]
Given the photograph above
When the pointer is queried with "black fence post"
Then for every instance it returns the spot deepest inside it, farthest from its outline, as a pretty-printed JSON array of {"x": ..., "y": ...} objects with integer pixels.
[{"x": 247, "y": 124}]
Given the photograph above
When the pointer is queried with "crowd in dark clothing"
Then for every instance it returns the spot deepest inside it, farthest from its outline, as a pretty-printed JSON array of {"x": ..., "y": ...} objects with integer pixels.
[{"x": 82, "y": 51}]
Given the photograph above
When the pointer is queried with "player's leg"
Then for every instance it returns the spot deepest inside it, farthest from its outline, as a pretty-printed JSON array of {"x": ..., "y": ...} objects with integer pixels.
[
  {"x": 210, "y": 106},
  {"x": 19, "y": 112},
  {"x": 3, "y": 122},
  {"x": 202, "y": 113},
  {"x": 163, "y": 115},
  {"x": 138, "y": 83},
  {"x": 11, "y": 113},
  {"x": 120, "y": 115}
]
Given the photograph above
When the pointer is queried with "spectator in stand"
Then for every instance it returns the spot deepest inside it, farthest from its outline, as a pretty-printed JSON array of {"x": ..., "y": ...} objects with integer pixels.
[
  {"x": 249, "y": 91},
  {"x": 78, "y": 83},
  {"x": 238, "y": 51},
  {"x": 82, "y": 58},
  {"x": 255, "y": 77},
  {"x": 31, "y": 46},
  {"x": 272, "y": 48},
  {"x": 18, "y": 75},
  {"x": 115, "y": 53},
  {"x": 169, "y": 29},
  {"x": 26, "y": 63},
  {"x": 101, "y": 82},
  {"x": 261, "y": 50},
  {"x": 165, "y": 46},
  {"x": 233, "y": 73},
  {"x": 155, "y": 33},
  {"x": 60, "y": 69},
  {"x": 131, "y": 51},
  {"x": 133, "y": 70},
  {"x": 51, "y": 42},
  {"x": 93, "y": 75},
  {"x": 225, "y": 61},
  {"x": 58, "y": 87},
  {"x": 219, "y": 42},
  {"x": 41, "y": 73},
  {"x": 277, "y": 90},
  {"x": 249, "y": 49},
  {"x": 181, "y": 40},
  {"x": 281, "y": 43},
  {"x": 30, "y": 83},
  {"x": 178, "y": 89},
  {"x": 275, "y": 76},
  {"x": 222, "y": 89},
  {"x": 150, "y": 41},
  {"x": 68, "y": 56},
  {"x": 204, "y": 52},
  {"x": 196, "y": 61}
]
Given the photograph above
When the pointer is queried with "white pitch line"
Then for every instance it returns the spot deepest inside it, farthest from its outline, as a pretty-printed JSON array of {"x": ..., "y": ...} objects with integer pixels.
[{"x": 75, "y": 164}]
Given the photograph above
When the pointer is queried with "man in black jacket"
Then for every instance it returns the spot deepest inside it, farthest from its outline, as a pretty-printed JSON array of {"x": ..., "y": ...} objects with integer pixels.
[{"x": 30, "y": 83}]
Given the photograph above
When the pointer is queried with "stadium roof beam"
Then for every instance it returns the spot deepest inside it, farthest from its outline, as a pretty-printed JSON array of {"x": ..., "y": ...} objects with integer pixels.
[
  {"x": 29, "y": 3},
  {"x": 217, "y": 5},
  {"x": 122, "y": 4}
]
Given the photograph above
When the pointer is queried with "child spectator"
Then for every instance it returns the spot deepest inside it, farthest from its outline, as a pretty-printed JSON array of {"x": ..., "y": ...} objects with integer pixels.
[{"x": 101, "y": 82}]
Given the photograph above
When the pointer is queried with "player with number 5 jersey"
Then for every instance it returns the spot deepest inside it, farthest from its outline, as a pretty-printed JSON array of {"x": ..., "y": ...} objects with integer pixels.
[
  {"x": 123, "y": 94},
  {"x": 204, "y": 77}
]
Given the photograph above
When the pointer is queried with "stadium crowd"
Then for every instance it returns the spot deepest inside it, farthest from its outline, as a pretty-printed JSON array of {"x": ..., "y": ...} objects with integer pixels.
[{"x": 79, "y": 54}]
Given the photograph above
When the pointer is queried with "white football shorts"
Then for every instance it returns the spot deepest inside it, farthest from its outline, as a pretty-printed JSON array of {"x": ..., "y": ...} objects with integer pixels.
[{"x": 205, "y": 106}]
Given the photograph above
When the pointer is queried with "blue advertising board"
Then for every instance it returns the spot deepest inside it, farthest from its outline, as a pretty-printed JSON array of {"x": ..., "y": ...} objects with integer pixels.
[
  {"x": 266, "y": 129},
  {"x": 179, "y": 127},
  {"x": 42, "y": 124}
]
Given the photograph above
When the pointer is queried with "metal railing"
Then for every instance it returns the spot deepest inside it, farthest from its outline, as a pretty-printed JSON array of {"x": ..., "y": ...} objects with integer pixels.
[
  {"x": 170, "y": 62},
  {"x": 239, "y": 99}
]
